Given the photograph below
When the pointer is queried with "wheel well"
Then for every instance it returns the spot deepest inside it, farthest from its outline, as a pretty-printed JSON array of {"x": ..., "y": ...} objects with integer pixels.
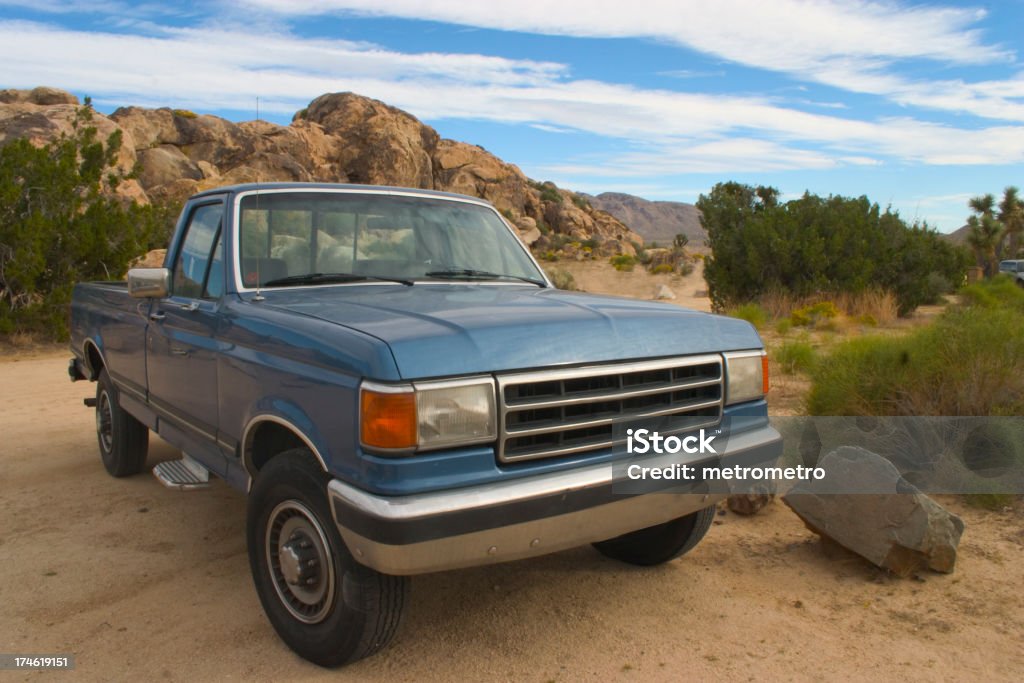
[
  {"x": 268, "y": 439},
  {"x": 94, "y": 359}
]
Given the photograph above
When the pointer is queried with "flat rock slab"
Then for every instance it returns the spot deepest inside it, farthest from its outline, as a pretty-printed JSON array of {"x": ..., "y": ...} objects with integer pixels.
[{"x": 865, "y": 505}]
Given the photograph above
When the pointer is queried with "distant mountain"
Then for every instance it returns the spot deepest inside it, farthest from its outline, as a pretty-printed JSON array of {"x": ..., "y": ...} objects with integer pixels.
[
  {"x": 656, "y": 221},
  {"x": 959, "y": 236}
]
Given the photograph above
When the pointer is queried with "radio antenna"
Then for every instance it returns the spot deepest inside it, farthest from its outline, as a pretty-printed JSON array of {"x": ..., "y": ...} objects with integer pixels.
[{"x": 259, "y": 296}]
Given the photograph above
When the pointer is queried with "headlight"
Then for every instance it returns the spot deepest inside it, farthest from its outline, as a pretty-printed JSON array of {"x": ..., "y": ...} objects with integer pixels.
[
  {"x": 747, "y": 376},
  {"x": 427, "y": 415}
]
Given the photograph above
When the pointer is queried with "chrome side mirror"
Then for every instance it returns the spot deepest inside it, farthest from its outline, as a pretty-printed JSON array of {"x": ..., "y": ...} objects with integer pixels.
[{"x": 145, "y": 283}]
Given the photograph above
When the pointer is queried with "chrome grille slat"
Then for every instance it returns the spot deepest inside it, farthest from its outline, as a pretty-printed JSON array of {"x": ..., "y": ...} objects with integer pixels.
[
  {"x": 609, "y": 396},
  {"x": 570, "y": 426},
  {"x": 568, "y": 411}
]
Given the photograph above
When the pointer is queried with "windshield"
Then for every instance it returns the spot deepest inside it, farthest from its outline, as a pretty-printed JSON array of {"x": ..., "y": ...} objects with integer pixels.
[{"x": 294, "y": 234}]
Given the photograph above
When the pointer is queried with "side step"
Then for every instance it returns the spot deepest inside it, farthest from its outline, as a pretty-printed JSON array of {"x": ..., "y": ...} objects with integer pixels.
[{"x": 184, "y": 474}]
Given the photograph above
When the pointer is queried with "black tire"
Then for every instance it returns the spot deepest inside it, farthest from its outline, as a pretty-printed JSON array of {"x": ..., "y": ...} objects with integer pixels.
[
  {"x": 660, "y": 543},
  {"x": 348, "y": 611},
  {"x": 123, "y": 440}
]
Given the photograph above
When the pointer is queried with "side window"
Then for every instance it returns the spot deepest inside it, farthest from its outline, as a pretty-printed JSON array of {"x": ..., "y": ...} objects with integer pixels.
[{"x": 194, "y": 257}]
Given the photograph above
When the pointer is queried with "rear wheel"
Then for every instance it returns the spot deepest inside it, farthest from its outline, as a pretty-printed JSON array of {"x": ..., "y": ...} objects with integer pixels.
[
  {"x": 123, "y": 440},
  {"x": 324, "y": 605},
  {"x": 660, "y": 543}
]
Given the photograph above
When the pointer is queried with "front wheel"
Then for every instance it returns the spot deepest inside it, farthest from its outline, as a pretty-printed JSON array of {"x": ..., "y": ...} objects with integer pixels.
[
  {"x": 323, "y": 604},
  {"x": 123, "y": 440},
  {"x": 660, "y": 543}
]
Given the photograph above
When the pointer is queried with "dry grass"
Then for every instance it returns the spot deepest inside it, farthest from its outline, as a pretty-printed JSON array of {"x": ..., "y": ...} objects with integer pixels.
[{"x": 876, "y": 305}]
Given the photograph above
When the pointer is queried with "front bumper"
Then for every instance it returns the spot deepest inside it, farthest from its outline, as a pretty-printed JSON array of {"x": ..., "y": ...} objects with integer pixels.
[{"x": 466, "y": 527}]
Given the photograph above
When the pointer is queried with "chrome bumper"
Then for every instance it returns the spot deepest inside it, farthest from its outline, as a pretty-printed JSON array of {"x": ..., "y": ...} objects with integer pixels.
[{"x": 466, "y": 527}]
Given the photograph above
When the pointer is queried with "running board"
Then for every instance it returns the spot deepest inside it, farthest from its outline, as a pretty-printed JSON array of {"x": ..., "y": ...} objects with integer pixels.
[{"x": 184, "y": 474}]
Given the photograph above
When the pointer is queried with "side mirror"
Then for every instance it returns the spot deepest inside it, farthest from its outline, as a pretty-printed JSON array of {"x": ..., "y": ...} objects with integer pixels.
[{"x": 144, "y": 283}]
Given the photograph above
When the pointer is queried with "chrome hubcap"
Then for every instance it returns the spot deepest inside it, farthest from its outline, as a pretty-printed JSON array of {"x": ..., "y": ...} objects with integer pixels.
[
  {"x": 105, "y": 422},
  {"x": 299, "y": 561}
]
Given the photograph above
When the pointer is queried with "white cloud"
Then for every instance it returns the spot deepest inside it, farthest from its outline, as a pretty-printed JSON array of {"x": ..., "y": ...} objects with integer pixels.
[{"x": 850, "y": 45}]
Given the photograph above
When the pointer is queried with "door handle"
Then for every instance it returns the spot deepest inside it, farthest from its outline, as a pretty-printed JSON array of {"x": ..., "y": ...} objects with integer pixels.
[
  {"x": 178, "y": 351},
  {"x": 191, "y": 306},
  {"x": 157, "y": 316}
]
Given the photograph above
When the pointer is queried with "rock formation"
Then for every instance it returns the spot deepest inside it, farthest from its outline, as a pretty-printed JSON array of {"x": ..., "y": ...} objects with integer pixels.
[{"x": 339, "y": 137}]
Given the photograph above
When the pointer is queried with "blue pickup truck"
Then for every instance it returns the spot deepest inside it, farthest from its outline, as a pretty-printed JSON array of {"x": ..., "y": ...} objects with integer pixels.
[{"x": 398, "y": 388}]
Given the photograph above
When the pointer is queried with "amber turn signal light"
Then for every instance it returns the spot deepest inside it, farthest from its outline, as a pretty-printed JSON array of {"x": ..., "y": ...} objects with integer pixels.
[
  {"x": 764, "y": 375},
  {"x": 388, "y": 419}
]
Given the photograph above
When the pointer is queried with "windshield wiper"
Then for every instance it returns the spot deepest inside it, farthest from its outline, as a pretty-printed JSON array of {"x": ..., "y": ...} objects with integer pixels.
[
  {"x": 326, "y": 278},
  {"x": 471, "y": 274}
]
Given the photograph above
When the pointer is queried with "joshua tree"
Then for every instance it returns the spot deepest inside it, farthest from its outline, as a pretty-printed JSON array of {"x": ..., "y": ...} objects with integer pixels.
[
  {"x": 1011, "y": 215},
  {"x": 984, "y": 236}
]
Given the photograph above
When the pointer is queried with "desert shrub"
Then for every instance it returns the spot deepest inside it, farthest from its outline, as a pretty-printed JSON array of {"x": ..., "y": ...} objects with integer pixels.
[
  {"x": 549, "y": 256},
  {"x": 815, "y": 315},
  {"x": 185, "y": 114},
  {"x": 662, "y": 269},
  {"x": 623, "y": 262},
  {"x": 562, "y": 279},
  {"x": 60, "y": 225},
  {"x": 685, "y": 268},
  {"x": 752, "y": 313},
  {"x": 868, "y": 320},
  {"x": 549, "y": 193},
  {"x": 966, "y": 363},
  {"x": 580, "y": 201},
  {"x": 1000, "y": 292},
  {"x": 815, "y": 245},
  {"x": 783, "y": 325},
  {"x": 795, "y": 356}
]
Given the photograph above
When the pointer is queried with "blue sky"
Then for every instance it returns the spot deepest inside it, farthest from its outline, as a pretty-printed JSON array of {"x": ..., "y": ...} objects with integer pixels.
[{"x": 920, "y": 105}]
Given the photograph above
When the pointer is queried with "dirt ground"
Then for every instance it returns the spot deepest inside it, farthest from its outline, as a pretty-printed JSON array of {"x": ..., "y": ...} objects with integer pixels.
[
  {"x": 598, "y": 277},
  {"x": 139, "y": 582}
]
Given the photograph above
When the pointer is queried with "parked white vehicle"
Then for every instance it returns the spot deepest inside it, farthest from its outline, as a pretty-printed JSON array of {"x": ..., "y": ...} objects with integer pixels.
[{"x": 1014, "y": 269}]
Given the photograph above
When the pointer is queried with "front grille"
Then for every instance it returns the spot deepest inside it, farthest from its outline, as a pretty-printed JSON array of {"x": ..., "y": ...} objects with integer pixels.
[{"x": 552, "y": 413}]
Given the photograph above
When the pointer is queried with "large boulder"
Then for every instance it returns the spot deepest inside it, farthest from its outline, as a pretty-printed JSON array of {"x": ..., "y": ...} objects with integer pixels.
[
  {"x": 383, "y": 145},
  {"x": 865, "y": 505},
  {"x": 42, "y": 96}
]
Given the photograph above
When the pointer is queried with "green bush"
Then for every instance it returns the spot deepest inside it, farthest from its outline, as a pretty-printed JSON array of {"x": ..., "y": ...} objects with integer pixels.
[
  {"x": 580, "y": 202},
  {"x": 966, "y": 363},
  {"x": 795, "y": 356},
  {"x": 59, "y": 225},
  {"x": 623, "y": 262},
  {"x": 752, "y": 313},
  {"x": 814, "y": 244},
  {"x": 783, "y": 326},
  {"x": 1000, "y": 292},
  {"x": 185, "y": 114},
  {"x": 662, "y": 268}
]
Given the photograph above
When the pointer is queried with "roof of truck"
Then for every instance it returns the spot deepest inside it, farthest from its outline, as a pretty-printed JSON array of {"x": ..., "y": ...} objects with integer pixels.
[{"x": 344, "y": 187}]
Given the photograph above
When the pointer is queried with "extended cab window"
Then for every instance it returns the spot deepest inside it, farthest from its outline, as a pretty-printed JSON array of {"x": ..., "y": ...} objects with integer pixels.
[{"x": 196, "y": 254}]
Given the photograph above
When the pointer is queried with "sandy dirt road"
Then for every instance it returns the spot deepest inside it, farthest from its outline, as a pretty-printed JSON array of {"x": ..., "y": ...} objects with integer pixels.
[{"x": 143, "y": 583}]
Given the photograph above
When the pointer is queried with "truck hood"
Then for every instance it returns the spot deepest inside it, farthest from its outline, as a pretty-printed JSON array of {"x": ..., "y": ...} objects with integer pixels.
[{"x": 437, "y": 330}]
